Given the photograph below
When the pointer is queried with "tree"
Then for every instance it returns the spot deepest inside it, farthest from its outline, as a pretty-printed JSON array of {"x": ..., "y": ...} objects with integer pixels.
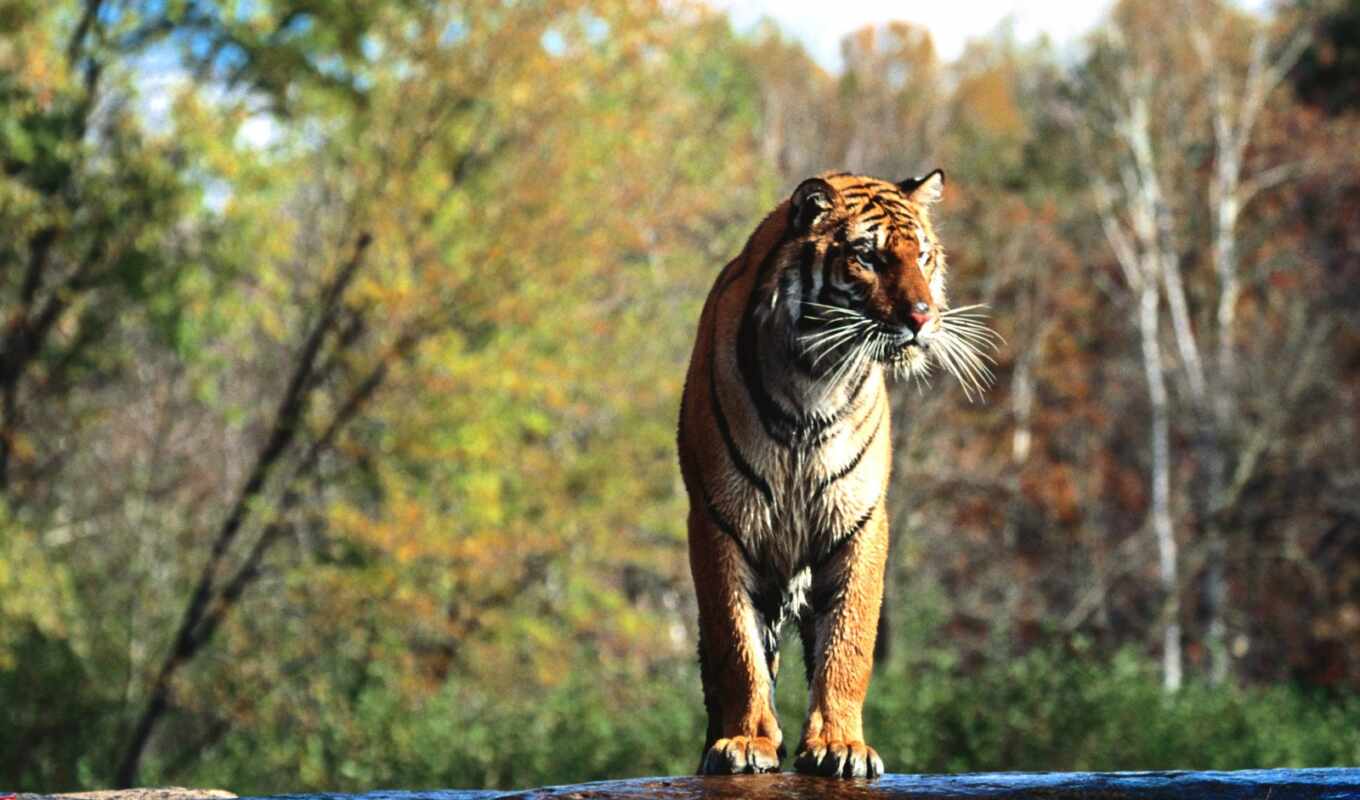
[
  {"x": 1212, "y": 72},
  {"x": 403, "y": 348},
  {"x": 1137, "y": 218},
  {"x": 1234, "y": 115},
  {"x": 98, "y": 199}
]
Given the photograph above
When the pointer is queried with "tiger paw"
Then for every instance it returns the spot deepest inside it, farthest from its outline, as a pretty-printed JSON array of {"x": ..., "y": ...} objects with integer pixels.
[
  {"x": 741, "y": 754},
  {"x": 838, "y": 759}
]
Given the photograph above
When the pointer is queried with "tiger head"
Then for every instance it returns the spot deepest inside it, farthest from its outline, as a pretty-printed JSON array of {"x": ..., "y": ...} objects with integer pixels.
[{"x": 864, "y": 279}]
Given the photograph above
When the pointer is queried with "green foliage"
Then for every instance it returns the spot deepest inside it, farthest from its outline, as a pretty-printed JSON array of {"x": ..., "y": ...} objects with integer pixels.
[
  {"x": 1066, "y": 708},
  {"x": 60, "y": 717},
  {"x": 1056, "y": 708},
  {"x": 595, "y": 724},
  {"x": 60, "y": 720}
]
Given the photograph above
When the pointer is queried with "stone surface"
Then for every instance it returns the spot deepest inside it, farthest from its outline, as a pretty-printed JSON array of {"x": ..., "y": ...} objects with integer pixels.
[
  {"x": 1304, "y": 784},
  {"x": 1269, "y": 784},
  {"x": 159, "y": 793},
  {"x": 1273, "y": 784}
]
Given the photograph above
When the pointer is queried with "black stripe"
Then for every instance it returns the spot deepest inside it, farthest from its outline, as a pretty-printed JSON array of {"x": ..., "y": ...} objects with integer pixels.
[
  {"x": 774, "y": 419},
  {"x": 825, "y": 429},
  {"x": 801, "y": 360},
  {"x": 819, "y": 428},
  {"x": 726, "y": 527},
  {"x": 830, "y": 295},
  {"x": 823, "y": 595},
  {"x": 846, "y": 537},
  {"x": 876, "y": 202},
  {"x": 828, "y": 264},
  {"x": 768, "y": 600},
  {"x": 812, "y": 430},
  {"x": 859, "y": 426},
  {"x": 893, "y": 204},
  {"x": 854, "y": 393},
  {"x": 830, "y": 480},
  {"x": 733, "y": 452},
  {"x": 808, "y": 256},
  {"x": 781, "y": 425}
]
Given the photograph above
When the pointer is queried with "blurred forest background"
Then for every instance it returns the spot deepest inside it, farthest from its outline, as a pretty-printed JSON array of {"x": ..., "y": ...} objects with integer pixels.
[{"x": 342, "y": 345}]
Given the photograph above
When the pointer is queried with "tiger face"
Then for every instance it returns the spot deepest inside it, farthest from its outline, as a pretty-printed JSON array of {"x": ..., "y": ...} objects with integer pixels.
[{"x": 864, "y": 280}]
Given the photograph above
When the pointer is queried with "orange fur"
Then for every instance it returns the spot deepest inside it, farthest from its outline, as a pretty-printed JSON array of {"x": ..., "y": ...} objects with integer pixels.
[{"x": 786, "y": 458}]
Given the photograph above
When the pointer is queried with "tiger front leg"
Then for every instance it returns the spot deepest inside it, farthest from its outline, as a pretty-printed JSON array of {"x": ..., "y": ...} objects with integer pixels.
[
  {"x": 839, "y": 636},
  {"x": 743, "y": 732}
]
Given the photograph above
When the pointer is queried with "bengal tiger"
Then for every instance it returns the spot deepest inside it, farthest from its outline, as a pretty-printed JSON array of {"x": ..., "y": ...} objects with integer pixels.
[{"x": 785, "y": 449}]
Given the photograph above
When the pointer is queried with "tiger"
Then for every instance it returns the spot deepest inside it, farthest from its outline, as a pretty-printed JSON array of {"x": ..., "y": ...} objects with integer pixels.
[{"x": 784, "y": 446}]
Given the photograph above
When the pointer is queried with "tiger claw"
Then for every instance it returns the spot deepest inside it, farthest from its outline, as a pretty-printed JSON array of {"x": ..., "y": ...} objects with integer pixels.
[
  {"x": 741, "y": 755},
  {"x": 837, "y": 759}
]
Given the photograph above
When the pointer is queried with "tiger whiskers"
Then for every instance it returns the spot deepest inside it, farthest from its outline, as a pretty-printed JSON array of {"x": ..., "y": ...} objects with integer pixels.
[
  {"x": 844, "y": 327},
  {"x": 828, "y": 340},
  {"x": 963, "y": 345},
  {"x": 850, "y": 340},
  {"x": 921, "y": 376},
  {"x": 854, "y": 361}
]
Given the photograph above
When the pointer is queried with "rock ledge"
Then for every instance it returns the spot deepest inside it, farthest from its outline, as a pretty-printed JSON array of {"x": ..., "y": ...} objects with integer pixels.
[{"x": 1275, "y": 784}]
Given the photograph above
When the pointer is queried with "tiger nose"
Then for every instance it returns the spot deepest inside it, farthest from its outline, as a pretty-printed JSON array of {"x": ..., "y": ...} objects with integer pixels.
[{"x": 918, "y": 317}]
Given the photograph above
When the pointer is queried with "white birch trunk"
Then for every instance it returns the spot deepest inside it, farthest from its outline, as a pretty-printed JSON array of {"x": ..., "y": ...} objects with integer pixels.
[
  {"x": 1167, "y": 550},
  {"x": 1233, "y": 122}
]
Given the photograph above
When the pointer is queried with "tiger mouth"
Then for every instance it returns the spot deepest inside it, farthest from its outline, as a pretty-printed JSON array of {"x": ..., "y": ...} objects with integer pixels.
[
  {"x": 902, "y": 346},
  {"x": 907, "y": 353}
]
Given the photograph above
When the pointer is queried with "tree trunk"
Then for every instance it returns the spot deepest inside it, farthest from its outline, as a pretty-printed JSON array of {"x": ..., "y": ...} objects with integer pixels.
[
  {"x": 1224, "y": 195},
  {"x": 1167, "y": 554},
  {"x": 213, "y": 598}
]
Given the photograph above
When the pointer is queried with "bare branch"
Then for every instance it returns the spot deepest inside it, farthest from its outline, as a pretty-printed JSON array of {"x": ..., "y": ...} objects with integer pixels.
[
  {"x": 77, "y": 42},
  {"x": 206, "y": 602},
  {"x": 1267, "y": 179}
]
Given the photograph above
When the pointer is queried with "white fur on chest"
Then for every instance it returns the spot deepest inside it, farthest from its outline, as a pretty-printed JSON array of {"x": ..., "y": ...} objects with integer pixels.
[{"x": 811, "y": 498}]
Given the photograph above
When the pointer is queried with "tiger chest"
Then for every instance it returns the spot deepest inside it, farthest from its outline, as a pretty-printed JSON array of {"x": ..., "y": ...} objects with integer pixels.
[{"x": 814, "y": 496}]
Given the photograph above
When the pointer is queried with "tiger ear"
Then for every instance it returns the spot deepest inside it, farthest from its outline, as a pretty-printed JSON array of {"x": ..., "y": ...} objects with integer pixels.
[
  {"x": 925, "y": 190},
  {"x": 812, "y": 201}
]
